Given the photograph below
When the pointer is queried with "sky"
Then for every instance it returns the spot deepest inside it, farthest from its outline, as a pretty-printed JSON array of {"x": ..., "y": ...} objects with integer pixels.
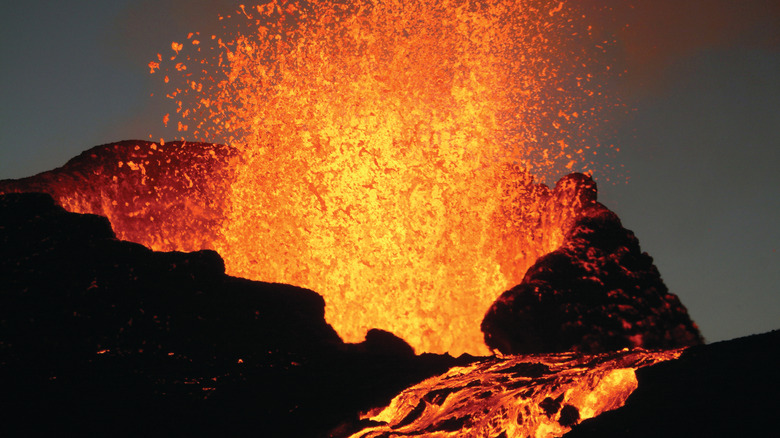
[{"x": 699, "y": 145}]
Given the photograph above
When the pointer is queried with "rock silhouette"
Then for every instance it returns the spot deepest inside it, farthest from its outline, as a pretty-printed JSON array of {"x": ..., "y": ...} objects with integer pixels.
[
  {"x": 598, "y": 292},
  {"x": 723, "y": 389},
  {"x": 106, "y": 336},
  {"x": 103, "y": 334}
]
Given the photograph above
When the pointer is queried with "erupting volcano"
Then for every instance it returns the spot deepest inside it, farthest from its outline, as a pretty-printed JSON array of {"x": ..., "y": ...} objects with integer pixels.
[
  {"x": 377, "y": 142},
  {"x": 387, "y": 154},
  {"x": 393, "y": 157}
]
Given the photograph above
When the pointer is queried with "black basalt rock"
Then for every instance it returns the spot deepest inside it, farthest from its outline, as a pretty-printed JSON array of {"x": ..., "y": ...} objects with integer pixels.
[
  {"x": 382, "y": 342},
  {"x": 597, "y": 292},
  {"x": 724, "y": 389},
  {"x": 101, "y": 336}
]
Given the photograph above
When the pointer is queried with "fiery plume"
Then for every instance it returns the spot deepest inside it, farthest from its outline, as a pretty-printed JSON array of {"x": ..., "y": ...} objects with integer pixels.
[
  {"x": 378, "y": 144},
  {"x": 389, "y": 155}
]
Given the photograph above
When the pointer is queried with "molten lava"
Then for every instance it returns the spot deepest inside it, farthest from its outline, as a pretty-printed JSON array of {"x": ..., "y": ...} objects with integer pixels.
[
  {"x": 385, "y": 154},
  {"x": 520, "y": 396},
  {"x": 384, "y": 149}
]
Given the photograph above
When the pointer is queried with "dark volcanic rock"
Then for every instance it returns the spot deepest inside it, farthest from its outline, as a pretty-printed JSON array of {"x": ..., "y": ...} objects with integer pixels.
[
  {"x": 66, "y": 271},
  {"x": 101, "y": 336},
  {"x": 597, "y": 292},
  {"x": 726, "y": 389},
  {"x": 383, "y": 342}
]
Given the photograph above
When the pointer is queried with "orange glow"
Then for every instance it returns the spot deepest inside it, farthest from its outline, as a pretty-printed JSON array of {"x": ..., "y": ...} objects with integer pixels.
[
  {"x": 163, "y": 196},
  {"x": 533, "y": 396},
  {"x": 375, "y": 137},
  {"x": 389, "y": 154}
]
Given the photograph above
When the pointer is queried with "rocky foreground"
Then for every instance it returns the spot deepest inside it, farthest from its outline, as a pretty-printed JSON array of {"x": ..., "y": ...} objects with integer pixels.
[
  {"x": 725, "y": 389},
  {"x": 105, "y": 337}
]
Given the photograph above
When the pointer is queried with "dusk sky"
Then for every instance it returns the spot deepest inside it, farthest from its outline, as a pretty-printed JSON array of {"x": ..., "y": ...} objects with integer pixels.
[{"x": 700, "y": 148}]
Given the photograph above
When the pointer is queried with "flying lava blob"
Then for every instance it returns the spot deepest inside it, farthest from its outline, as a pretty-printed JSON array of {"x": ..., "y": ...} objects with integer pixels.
[{"x": 385, "y": 147}]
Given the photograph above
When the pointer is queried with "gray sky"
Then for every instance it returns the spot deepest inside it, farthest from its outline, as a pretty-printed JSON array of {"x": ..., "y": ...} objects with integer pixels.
[{"x": 701, "y": 147}]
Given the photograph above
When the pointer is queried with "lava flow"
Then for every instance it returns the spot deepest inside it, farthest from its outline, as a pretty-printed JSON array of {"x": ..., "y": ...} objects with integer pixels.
[
  {"x": 388, "y": 151},
  {"x": 533, "y": 396}
]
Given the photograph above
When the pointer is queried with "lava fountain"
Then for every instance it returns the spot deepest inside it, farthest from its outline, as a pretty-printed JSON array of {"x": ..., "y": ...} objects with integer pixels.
[
  {"x": 379, "y": 145},
  {"x": 382, "y": 153}
]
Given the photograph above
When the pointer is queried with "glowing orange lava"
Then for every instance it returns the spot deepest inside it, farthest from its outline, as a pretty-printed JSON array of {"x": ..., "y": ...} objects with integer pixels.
[
  {"x": 383, "y": 145},
  {"x": 384, "y": 154},
  {"x": 518, "y": 396}
]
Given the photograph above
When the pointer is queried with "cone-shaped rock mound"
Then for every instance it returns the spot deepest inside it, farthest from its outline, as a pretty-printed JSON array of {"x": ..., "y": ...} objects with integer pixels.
[{"x": 597, "y": 292}]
